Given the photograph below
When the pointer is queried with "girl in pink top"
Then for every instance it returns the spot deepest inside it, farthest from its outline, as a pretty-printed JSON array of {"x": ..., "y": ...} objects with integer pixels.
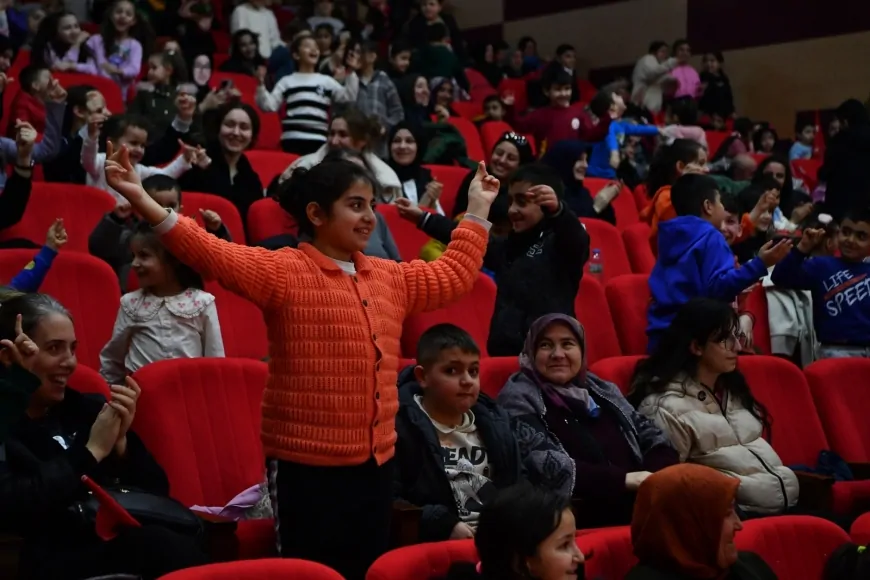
[
  {"x": 59, "y": 45},
  {"x": 681, "y": 120},
  {"x": 686, "y": 75},
  {"x": 117, "y": 53}
]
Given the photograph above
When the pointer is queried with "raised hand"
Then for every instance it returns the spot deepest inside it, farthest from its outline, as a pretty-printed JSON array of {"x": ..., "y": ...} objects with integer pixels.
[
  {"x": 211, "y": 219},
  {"x": 95, "y": 122},
  {"x": 104, "y": 433},
  {"x": 482, "y": 191},
  {"x": 4, "y": 81},
  {"x": 121, "y": 175},
  {"x": 544, "y": 197},
  {"x": 57, "y": 236},
  {"x": 22, "y": 351},
  {"x": 811, "y": 239},
  {"x": 771, "y": 254},
  {"x": 408, "y": 210}
]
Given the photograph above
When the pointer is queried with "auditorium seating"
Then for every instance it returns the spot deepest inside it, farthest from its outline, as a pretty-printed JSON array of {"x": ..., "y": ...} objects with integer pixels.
[
  {"x": 610, "y": 552},
  {"x": 422, "y": 561},
  {"x": 86, "y": 286},
  {"x": 860, "y": 530},
  {"x": 495, "y": 372},
  {"x": 242, "y": 326},
  {"x": 200, "y": 418},
  {"x": 88, "y": 381},
  {"x": 258, "y": 570},
  {"x": 623, "y": 204},
  {"x": 451, "y": 178},
  {"x": 192, "y": 202},
  {"x": 640, "y": 255},
  {"x": 269, "y": 163},
  {"x": 266, "y": 219},
  {"x": 468, "y": 130},
  {"x": 490, "y": 133},
  {"x": 472, "y": 312},
  {"x": 408, "y": 238},
  {"x": 840, "y": 391},
  {"x": 592, "y": 311},
  {"x": 606, "y": 238},
  {"x": 628, "y": 297},
  {"x": 618, "y": 370}
]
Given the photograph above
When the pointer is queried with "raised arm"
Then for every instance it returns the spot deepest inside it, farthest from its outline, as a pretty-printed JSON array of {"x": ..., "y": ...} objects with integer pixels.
[
  {"x": 261, "y": 276},
  {"x": 431, "y": 285}
]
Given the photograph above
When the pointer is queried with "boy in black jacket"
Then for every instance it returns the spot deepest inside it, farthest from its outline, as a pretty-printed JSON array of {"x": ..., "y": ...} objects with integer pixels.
[
  {"x": 537, "y": 266},
  {"x": 455, "y": 447}
]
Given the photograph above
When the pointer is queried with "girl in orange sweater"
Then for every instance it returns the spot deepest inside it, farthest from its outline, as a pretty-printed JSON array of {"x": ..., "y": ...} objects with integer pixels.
[{"x": 334, "y": 320}]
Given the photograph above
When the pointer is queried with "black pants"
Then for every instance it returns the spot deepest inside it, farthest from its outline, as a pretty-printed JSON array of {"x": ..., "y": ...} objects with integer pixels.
[
  {"x": 338, "y": 516},
  {"x": 148, "y": 552},
  {"x": 301, "y": 146}
]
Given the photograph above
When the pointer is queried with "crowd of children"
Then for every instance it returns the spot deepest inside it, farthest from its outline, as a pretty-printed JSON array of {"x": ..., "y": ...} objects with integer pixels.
[{"x": 345, "y": 430}]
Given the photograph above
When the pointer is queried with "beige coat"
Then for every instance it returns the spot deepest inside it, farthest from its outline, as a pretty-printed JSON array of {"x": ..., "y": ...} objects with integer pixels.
[{"x": 728, "y": 440}]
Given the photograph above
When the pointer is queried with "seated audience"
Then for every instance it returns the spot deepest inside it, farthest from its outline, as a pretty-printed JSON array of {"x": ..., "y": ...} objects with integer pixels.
[
  {"x": 62, "y": 437},
  {"x": 691, "y": 388},
  {"x": 83, "y": 101},
  {"x": 546, "y": 248},
  {"x": 525, "y": 533},
  {"x": 156, "y": 98},
  {"x": 28, "y": 105},
  {"x": 717, "y": 98},
  {"x": 436, "y": 57},
  {"x": 257, "y": 19},
  {"x": 681, "y": 120},
  {"x": 804, "y": 143},
  {"x": 245, "y": 58},
  {"x": 455, "y": 448},
  {"x": 684, "y": 525},
  {"x": 694, "y": 259},
  {"x": 117, "y": 49},
  {"x": 848, "y": 562},
  {"x": 571, "y": 160},
  {"x": 406, "y": 152},
  {"x": 577, "y": 433},
  {"x": 170, "y": 316},
  {"x": 59, "y": 45},
  {"x": 557, "y": 121},
  {"x": 841, "y": 311},
  {"x": 378, "y": 96},
  {"x": 605, "y": 159}
]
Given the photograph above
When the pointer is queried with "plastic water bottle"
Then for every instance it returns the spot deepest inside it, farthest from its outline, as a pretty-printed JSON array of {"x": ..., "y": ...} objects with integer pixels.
[{"x": 596, "y": 264}]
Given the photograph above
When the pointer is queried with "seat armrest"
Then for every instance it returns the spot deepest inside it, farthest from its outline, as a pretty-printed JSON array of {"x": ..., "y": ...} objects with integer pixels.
[
  {"x": 860, "y": 470},
  {"x": 221, "y": 543},
  {"x": 404, "y": 524},
  {"x": 816, "y": 491}
]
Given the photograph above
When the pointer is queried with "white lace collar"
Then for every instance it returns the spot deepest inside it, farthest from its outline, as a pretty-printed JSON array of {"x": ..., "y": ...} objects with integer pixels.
[{"x": 189, "y": 304}]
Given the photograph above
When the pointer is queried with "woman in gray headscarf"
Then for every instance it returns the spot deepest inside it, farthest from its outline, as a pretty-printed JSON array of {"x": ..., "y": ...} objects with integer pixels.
[{"x": 577, "y": 433}]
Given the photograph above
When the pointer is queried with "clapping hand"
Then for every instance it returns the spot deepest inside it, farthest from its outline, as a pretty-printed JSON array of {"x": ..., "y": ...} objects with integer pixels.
[
  {"x": 22, "y": 351},
  {"x": 123, "y": 401},
  {"x": 57, "y": 236}
]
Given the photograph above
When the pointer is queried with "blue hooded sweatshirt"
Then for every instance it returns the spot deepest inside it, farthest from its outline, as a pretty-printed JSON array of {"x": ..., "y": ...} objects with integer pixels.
[{"x": 694, "y": 262}]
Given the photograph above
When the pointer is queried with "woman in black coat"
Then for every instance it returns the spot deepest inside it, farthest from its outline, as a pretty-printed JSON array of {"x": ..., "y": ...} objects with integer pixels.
[{"x": 60, "y": 437}]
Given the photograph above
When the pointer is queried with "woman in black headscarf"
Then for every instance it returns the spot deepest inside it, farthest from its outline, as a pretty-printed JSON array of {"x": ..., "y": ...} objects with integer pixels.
[
  {"x": 570, "y": 159},
  {"x": 406, "y": 151}
]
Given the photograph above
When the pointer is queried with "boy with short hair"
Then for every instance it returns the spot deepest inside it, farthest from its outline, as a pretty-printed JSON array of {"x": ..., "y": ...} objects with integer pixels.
[
  {"x": 605, "y": 158},
  {"x": 28, "y": 105},
  {"x": 493, "y": 110},
  {"x": 803, "y": 145},
  {"x": 110, "y": 240},
  {"x": 455, "y": 448},
  {"x": 400, "y": 60},
  {"x": 377, "y": 96},
  {"x": 839, "y": 285},
  {"x": 556, "y": 122},
  {"x": 694, "y": 259}
]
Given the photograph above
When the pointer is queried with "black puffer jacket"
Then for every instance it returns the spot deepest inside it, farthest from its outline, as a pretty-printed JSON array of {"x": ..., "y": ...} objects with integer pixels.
[{"x": 420, "y": 478}]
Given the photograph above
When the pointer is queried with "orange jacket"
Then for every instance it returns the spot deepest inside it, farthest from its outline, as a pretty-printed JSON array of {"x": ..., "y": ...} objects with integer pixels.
[{"x": 331, "y": 397}]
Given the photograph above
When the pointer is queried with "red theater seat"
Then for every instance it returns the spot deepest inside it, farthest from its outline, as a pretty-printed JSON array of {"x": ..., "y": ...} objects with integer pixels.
[
  {"x": 618, "y": 370},
  {"x": 606, "y": 238},
  {"x": 266, "y": 219},
  {"x": 860, "y": 530},
  {"x": 623, "y": 204},
  {"x": 490, "y": 133},
  {"x": 268, "y": 164},
  {"x": 468, "y": 130},
  {"x": 192, "y": 202},
  {"x": 242, "y": 326},
  {"x": 80, "y": 206},
  {"x": 200, "y": 419},
  {"x": 592, "y": 311},
  {"x": 840, "y": 391},
  {"x": 109, "y": 88},
  {"x": 451, "y": 178},
  {"x": 612, "y": 555},
  {"x": 636, "y": 240},
  {"x": 495, "y": 372},
  {"x": 86, "y": 286},
  {"x": 258, "y": 570},
  {"x": 422, "y": 561},
  {"x": 88, "y": 381},
  {"x": 628, "y": 297},
  {"x": 793, "y": 546},
  {"x": 408, "y": 238},
  {"x": 472, "y": 312}
]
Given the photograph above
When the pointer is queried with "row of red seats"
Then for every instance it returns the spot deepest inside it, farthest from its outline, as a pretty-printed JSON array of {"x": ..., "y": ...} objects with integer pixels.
[{"x": 201, "y": 420}]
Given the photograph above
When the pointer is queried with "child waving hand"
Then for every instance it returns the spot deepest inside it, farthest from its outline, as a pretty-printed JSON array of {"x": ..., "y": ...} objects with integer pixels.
[{"x": 334, "y": 319}]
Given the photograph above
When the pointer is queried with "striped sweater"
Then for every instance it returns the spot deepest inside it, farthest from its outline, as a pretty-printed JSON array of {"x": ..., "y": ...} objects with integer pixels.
[
  {"x": 331, "y": 397},
  {"x": 308, "y": 97}
]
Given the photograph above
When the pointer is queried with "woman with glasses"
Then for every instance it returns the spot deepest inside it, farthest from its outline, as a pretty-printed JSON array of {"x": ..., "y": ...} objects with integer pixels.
[{"x": 691, "y": 388}]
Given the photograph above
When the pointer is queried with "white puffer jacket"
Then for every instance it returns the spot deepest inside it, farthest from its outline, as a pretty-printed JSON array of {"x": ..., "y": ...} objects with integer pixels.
[{"x": 726, "y": 437}]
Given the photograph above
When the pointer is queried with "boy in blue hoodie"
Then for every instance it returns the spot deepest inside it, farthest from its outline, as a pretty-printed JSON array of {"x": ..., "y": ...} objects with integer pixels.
[
  {"x": 840, "y": 285},
  {"x": 694, "y": 260}
]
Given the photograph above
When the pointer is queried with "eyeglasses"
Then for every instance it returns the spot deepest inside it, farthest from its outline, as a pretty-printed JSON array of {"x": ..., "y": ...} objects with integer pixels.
[{"x": 733, "y": 342}]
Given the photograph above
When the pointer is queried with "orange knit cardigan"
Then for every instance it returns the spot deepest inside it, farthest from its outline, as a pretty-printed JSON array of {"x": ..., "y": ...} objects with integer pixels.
[{"x": 331, "y": 397}]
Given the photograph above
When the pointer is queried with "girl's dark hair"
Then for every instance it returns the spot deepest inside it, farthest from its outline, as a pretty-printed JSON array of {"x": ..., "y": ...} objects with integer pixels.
[
  {"x": 512, "y": 526},
  {"x": 717, "y": 55},
  {"x": 656, "y": 45},
  {"x": 187, "y": 276},
  {"x": 848, "y": 562},
  {"x": 175, "y": 60},
  {"x": 322, "y": 184},
  {"x": 352, "y": 44},
  {"x": 663, "y": 167},
  {"x": 46, "y": 37},
  {"x": 141, "y": 31},
  {"x": 360, "y": 126},
  {"x": 786, "y": 192},
  {"x": 32, "y": 308},
  {"x": 685, "y": 109},
  {"x": 743, "y": 127},
  {"x": 700, "y": 321},
  {"x": 757, "y": 137},
  {"x": 235, "y": 52}
]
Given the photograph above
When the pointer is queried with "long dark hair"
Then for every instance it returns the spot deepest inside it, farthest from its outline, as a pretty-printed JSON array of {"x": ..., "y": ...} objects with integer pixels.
[
  {"x": 663, "y": 168},
  {"x": 510, "y": 529},
  {"x": 699, "y": 321},
  {"x": 743, "y": 130},
  {"x": 786, "y": 192},
  {"x": 141, "y": 31},
  {"x": 46, "y": 37}
]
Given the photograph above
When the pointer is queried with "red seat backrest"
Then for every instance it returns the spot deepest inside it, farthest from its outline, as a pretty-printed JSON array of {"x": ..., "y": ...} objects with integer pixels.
[
  {"x": 839, "y": 389},
  {"x": 269, "y": 163},
  {"x": 605, "y": 237},
  {"x": 86, "y": 286},
  {"x": 479, "y": 87},
  {"x": 641, "y": 199},
  {"x": 467, "y": 129},
  {"x": 495, "y": 372},
  {"x": 756, "y": 304},
  {"x": 612, "y": 552},
  {"x": 86, "y": 380},
  {"x": 431, "y": 560},
  {"x": 782, "y": 387},
  {"x": 618, "y": 370},
  {"x": 269, "y": 138},
  {"x": 592, "y": 311},
  {"x": 242, "y": 326},
  {"x": 266, "y": 219},
  {"x": 516, "y": 87},
  {"x": 193, "y": 201},
  {"x": 258, "y": 569},
  {"x": 468, "y": 109},
  {"x": 245, "y": 84},
  {"x": 80, "y": 206},
  {"x": 490, "y": 133},
  {"x": 628, "y": 297},
  {"x": 200, "y": 419},
  {"x": 623, "y": 205},
  {"x": 107, "y": 87},
  {"x": 636, "y": 240},
  {"x": 715, "y": 140},
  {"x": 451, "y": 178},
  {"x": 793, "y": 546},
  {"x": 408, "y": 238},
  {"x": 807, "y": 170},
  {"x": 472, "y": 312}
]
